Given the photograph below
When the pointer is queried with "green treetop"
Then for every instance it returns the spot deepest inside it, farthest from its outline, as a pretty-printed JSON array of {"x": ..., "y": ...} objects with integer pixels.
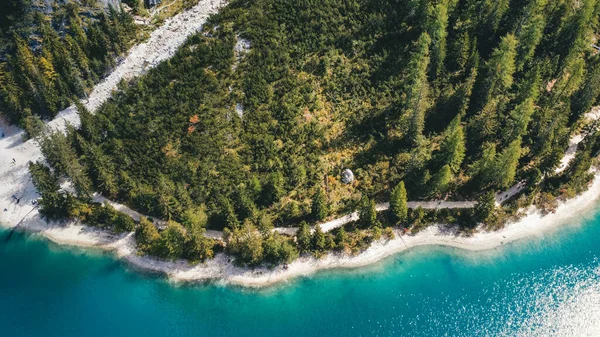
[
  {"x": 398, "y": 205},
  {"x": 319, "y": 206}
]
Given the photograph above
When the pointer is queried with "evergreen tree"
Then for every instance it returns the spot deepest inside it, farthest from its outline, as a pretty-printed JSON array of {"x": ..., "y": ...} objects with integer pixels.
[
  {"x": 485, "y": 207},
  {"x": 277, "y": 249},
  {"x": 341, "y": 238},
  {"x": 499, "y": 70},
  {"x": 172, "y": 241},
  {"x": 244, "y": 204},
  {"x": 198, "y": 247},
  {"x": 578, "y": 171},
  {"x": 519, "y": 120},
  {"x": 437, "y": 30},
  {"x": 440, "y": 183},
  {"x": 506, "y": 164},
  {"x": 61, "y": 155},
  {"x": 530, "y": 32},
  {"x": 246, "y": 245},
  {"x": 319, "y": 207},
  {"x": 318, "y": 239},
  {"x": 571, "y": 40},
  {"x": 569, "y": 80},
  {"x": 587, "y": 95},
  {"x": 367, "y": 212},
  {"x": 88, "y": 127},
  {"x": 147, "y": 236},
  {"x": 398, "y": 201},
  {"x": 416, "y": 89},
  {"x": 452, "y": 149},
  {"x": 483, "y": 169},
  {"x": 274, "y": 188},
  {"x": 303, "y": 238},
  {"x": 53, "y": 203},
  {"x": 459, "y": 50},
  {"x": 491, "y": 12},
  {"x": 225, "y": 213}
]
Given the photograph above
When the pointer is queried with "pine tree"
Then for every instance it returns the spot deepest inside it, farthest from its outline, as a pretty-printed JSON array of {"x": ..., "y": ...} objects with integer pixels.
[
  {"x": 485, "y": 207},
  {"x": 88, "y": 127},
  {"x": 195, "y": 219},
  {"x": 587, "y": 95},
  {"x": 493, "y": 11},
  {"x": 100, "y": 167},
  {"x": 226, "y": 213},
  {"x": 501, "y": 67},
  {"x": 61, "y": 156},
  {"x": 530, "y": 33},
  {"x": 367, "y": 212},
  {"x": 437, "y": 29},
  {"x": 246, "y": 245},
  {"x": 452, "y": 148},
  {"x": 78, "y": 56},
  {"x": 320, "y": 210},
  {"x": 398, "y": 206},
  {"x": 341, "y": 238},
  {"x": 519, "y": 120},
  {"x": 569, "y": 80},
  {"x": 572, "y": 42},
  {"x": 459, "y": 50},
  {"x": 483, "y": 169},
  {"x": 506, "y": 164},
  {"x": 318, "y": 239},
  {"x": 53, "y": 203},
  {"x": 416, "y": 89},
  {"x": 146, "y": 236},
  {"x": 303, "y": 238},
  {"x": 484, "y": 126},
  {"x": 246, "y": 209},
  {"x": 198, "y": 247},
  {"x": 274, "y": 188},
  {"x": 27, "y": 77},
  {"x": 440, "y": 183}
]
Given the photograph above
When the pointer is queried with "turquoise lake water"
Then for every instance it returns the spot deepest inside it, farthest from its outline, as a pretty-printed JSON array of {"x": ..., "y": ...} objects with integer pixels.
[{"x": 543, "y": 286}]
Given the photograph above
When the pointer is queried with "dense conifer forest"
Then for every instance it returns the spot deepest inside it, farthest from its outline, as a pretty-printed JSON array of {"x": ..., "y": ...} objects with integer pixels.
[
  {"x": 54, "y": 52},
  {"x": 421, "y": 99}
]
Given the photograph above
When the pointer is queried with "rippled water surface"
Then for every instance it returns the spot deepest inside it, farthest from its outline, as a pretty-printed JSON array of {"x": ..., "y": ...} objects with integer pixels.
[{"x": 545, "y": 286}]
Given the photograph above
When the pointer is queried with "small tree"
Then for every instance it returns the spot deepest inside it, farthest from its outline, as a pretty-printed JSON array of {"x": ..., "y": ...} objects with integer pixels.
[
  {"x": 320, "y": 209},
  {"x": 398, "y": 206},
  {"x": 367, "y": 212},
  {"x": 341, "y": 237},
  {"x": 246, "y": 245},
  {"x": 303, "y": 238},
  {"x": 418, "y": 215},
  {"x": 318, "y": 240},
  {"x": 377, "y": 231},
  {"x": 441, "y": 181},
  {"x": 172, "y": 241},
  {"x": 485, "y": 207},
  {"x": 146, "y": 236}
]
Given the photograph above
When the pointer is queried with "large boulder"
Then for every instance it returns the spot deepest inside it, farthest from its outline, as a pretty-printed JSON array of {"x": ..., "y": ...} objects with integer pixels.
[{"x": 347, "y": 176}]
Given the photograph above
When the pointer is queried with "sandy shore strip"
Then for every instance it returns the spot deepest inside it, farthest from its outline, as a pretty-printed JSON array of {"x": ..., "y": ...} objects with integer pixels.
[{"x": 222, "y": 270}]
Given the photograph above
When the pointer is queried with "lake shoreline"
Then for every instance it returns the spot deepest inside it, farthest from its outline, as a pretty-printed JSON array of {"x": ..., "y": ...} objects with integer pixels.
[{"x": 222, "y": 271}]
